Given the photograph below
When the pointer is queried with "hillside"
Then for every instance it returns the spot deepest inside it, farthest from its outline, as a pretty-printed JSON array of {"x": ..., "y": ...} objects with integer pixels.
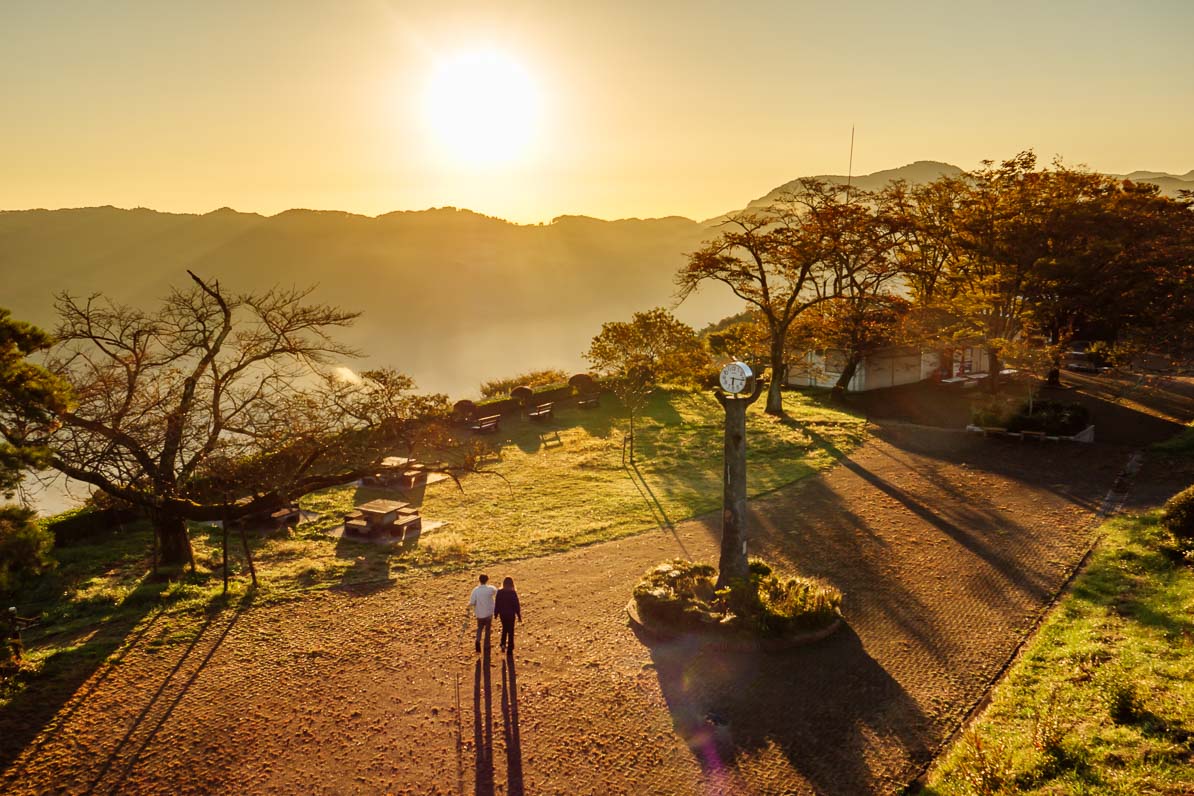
[
  {"x": 923, "y": 171},
  {"x": 450, "y": 296},
  {"x": 915, "y": 173}
]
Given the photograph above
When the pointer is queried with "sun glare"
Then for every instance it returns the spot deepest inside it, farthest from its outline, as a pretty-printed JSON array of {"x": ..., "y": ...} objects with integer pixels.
[{"x": 482, "y": 108}]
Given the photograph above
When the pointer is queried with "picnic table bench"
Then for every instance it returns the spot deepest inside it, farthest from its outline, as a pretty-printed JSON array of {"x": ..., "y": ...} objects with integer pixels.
[
  {"x": 407, "y": 524},
  {"x": 485, "y": 424},
  {"x": 588, "y": 401},
  {"x": 541, "y": 411},
  {"x": 285, "y": 515},
  {"x": 378, "y": 517}
]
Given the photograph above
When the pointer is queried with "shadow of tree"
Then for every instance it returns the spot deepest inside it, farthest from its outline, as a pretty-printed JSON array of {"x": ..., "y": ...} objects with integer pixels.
[
  {"x": 820, "y": 705},
  {"x": 141, "y": 732},
  {"x": 37, "y": 715},
  {"x": 67, "y": 679}
]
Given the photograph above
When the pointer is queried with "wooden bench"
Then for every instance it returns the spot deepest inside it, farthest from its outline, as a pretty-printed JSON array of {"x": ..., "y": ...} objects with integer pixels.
[
  {"x": 1037, "y": 435},
  {"x": 541, "y": 412},
  {"x": 408, "y": 523},
  {"x": 285, "y": 515},
  {"x": 358, "y": 527},
  {"x": 994, "y": 431},
  {"x": 588, "y": 401},
  {"x": 411, "y": 477},
  {"x": 485, "y": 424}
]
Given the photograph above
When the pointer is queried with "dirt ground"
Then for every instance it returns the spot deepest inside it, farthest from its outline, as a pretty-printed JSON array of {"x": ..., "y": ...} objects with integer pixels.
[{"x": 948, "y": 548}]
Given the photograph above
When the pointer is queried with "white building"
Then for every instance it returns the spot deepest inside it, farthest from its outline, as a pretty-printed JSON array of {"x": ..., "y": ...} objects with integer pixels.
[{"x": 889, "y": 367}]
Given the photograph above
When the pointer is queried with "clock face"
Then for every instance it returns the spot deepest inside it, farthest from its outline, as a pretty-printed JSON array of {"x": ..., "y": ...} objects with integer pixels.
[{"x": 734, "y": 377}]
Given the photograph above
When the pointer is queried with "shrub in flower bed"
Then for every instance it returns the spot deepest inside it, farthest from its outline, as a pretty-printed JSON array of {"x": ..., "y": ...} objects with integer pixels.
[
  {"x": 1056, "y": 418},
  {"x": 1051, "y": 417},
  {"x": 683, "y": 595},
  {"x": 1178, "y": 518}
]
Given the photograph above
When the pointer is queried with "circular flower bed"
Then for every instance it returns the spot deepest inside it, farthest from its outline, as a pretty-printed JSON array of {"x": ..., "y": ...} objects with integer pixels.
[{"x": 681, "y": 596}]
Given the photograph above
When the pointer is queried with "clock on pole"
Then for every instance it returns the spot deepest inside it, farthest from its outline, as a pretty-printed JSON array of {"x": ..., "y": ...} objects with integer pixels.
[
  {"x": 735, "y": 377},
  {"x": 739, "y": 389}
]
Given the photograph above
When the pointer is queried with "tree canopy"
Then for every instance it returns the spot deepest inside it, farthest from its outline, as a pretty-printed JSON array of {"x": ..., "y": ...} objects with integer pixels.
[
  {"x": 1002, "y": 256},
  {"x": 30, "y": 398},
  {"x": 815, "y": 243},
  {"x": 635, "y": 357},
  {"x": 219, "y": 405}
]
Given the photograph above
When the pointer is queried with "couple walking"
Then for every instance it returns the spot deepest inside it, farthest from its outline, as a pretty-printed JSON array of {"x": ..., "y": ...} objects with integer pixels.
[{"x": 485, "y": 601}]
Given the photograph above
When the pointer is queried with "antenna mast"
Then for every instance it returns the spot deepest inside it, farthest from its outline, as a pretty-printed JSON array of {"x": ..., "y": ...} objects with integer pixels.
[{"x": 850, "y": 170}]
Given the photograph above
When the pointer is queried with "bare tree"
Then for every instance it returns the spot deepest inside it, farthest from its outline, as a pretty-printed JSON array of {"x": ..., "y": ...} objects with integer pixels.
[{"x": 220, "y": 406}]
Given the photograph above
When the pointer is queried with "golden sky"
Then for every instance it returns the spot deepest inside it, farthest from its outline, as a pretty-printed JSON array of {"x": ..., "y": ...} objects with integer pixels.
[{"x": 532, "y": 110}]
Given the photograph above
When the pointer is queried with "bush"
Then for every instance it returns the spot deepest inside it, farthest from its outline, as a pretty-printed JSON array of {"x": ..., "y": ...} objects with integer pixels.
[
  {"x": 993, "y": 411},
  {"x": 446, "y": 547},
  {"x": 984, "y": 767},
  {"x": 24, "y": 547},
  {"x": 683, "y": 594},
  {"x": 1177, "y": 516},
  {"x": 1117, "y": 693},
  {"x": 534, "y": 379},
  {"x": 1052, "y": 417},
  {"x": 1181, "y": 444},
  {"x": 85, "y": 523}
]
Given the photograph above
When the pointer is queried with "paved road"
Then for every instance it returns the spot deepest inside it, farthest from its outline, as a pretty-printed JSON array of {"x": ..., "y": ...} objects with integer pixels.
[{"x": 947, "y": 547}]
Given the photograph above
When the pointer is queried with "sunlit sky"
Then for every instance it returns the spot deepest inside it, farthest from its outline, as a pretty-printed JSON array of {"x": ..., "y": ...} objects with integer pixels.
[{"x": 531, "y": 110}]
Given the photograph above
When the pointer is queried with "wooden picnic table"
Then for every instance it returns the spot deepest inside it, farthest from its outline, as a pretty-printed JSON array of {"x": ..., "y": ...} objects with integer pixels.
[
  {"x": 384, "y": 517},
  {"x": 379, "y": 514}
]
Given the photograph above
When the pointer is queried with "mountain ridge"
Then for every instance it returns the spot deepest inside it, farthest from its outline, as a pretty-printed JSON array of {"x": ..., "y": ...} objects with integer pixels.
[{"x": 451, "y": 296}]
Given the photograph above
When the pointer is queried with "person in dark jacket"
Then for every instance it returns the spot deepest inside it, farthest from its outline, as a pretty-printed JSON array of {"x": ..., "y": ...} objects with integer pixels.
[{"x": 507, "y": 608}]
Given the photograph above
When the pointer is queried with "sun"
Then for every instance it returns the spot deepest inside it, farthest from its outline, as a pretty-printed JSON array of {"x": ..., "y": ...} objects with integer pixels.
[{"x": 482, "y": 108}]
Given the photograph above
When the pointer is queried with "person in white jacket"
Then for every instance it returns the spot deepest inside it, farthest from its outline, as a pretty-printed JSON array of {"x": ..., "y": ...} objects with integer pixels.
[{"x": 481, "y": 603}]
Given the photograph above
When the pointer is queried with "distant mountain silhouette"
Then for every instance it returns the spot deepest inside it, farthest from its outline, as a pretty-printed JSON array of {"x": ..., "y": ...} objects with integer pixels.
[
  {"x": 921, "y": 171},
  {"x": 1169, "y": 184},
  {"x": 449, "y": 296}
]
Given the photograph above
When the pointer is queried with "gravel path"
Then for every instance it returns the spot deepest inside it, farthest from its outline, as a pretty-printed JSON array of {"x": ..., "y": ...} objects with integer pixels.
[{"x": 947, "y": 547}]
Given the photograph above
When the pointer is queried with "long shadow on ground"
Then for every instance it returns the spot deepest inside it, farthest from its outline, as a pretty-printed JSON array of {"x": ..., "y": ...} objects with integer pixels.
[
  {"x": 66, "y": 685},
  {"x": 821, "y": 706},
  {"x": 1114, "y": 403},
  {"x": 66, "y": 680},
  {"x": 946, "y": 549}
]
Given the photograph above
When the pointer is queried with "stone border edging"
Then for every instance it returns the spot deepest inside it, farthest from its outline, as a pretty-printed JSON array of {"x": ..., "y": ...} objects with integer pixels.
[
  {"x": 731, "y": 644},
  {"x": 1085, "y": 435}
]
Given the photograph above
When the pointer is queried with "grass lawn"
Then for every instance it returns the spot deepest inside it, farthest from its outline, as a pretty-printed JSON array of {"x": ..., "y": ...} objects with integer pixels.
[
  {"x": 1102, "y": 698},
  {"x": 554, "y": 487},
  {"x": 564, "y": 485}
]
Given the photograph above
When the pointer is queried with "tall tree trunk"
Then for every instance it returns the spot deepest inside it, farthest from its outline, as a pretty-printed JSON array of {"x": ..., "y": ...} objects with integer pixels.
[
  {"x": 775, "y": 398},
  {"x": 632, "y": 437},
  {"x": 175, "y": 543},
  {"x": 843, "y": 381},
  {"x": 993, "y": 368}
]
